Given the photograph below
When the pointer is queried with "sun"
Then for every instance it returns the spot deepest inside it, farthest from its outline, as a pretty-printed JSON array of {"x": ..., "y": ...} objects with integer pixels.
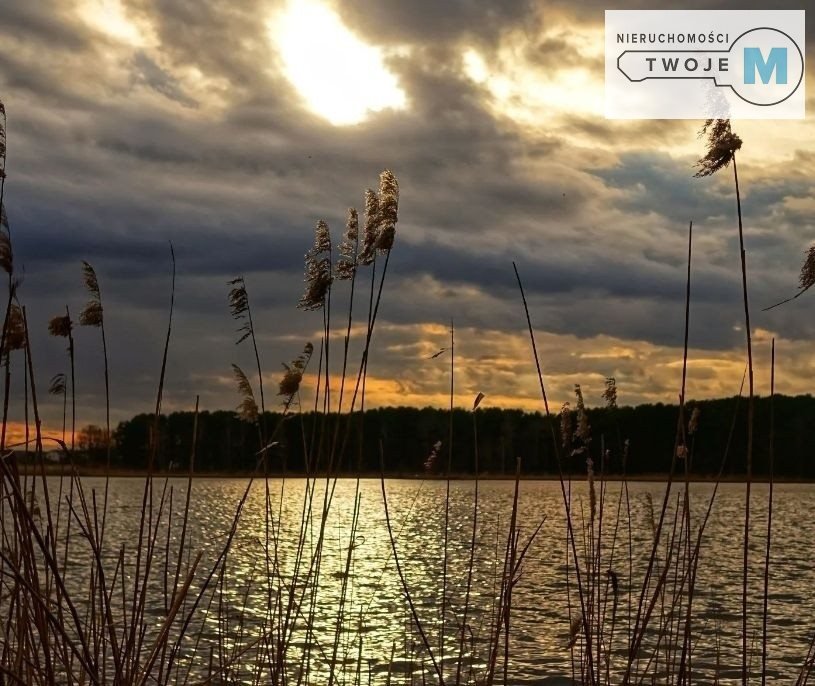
[{"x": 340, "y": 77}]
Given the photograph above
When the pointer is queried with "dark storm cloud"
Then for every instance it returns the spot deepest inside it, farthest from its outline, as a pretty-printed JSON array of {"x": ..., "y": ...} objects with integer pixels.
[
  {"x": 44, "y": 22},
  {"x": 651, "y": 132},
  {"x": 147, "y": 71},
  {"x": 429, "y": 21},
  {"x": 220, "y": 38},
  {"x": 555, "y": 52},
  {"x": 655, "y": 182}
]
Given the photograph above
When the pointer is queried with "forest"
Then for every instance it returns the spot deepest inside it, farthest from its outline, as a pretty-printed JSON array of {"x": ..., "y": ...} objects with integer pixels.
[{"x": 408, "y": 441}]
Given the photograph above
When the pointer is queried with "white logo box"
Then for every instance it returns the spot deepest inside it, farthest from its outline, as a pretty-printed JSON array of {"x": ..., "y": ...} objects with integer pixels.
[{"x": 722, "y": 64}]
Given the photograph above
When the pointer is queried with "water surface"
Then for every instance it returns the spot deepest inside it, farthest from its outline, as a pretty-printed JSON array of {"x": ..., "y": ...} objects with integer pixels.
[{"x": 376, "y": 622}]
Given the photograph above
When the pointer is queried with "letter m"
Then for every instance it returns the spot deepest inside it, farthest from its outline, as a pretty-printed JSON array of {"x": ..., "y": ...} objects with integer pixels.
[{"x": 754, "y": 62}]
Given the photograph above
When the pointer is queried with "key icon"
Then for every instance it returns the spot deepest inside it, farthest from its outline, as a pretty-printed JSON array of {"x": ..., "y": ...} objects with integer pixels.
[{"x": 763, "y": 66}]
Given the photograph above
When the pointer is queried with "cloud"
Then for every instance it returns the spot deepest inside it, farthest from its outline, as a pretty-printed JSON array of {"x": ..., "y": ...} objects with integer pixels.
[
  {"x": 178, "y": 124},
  {"x": 499, "y": 363},
  {"x": 426, "y": 21},
  {"x": 151, "y": 74}
]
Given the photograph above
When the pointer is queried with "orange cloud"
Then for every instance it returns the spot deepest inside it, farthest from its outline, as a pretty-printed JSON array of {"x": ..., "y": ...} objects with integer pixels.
[
  {"x": 499, "y": 364},
  {"x": 16, "y": 436}
]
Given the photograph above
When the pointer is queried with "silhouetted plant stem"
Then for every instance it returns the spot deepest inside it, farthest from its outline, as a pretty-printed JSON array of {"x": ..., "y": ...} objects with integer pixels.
[
  {"x": 108, "y": 436},
  {"x": 6, "y": 358},
  {"x": 139, "y": 593},
  {"x": 448, "y": 469},
  {"x": 686, "y": 491},
  {"x": 473, "y": 538},
  {"x": 566, "y": 499},
  {"x": 39, "y": 460},
  {"x": 404, "y": 584},
  {"x": 641, "y": 620},
  {"x": 769, "y": 520},
  {"x": 513, "y": 557},
  {"x": 6, "y": 361},
  {"x": 750, "y": 415},
  {"x": 8, "y": 266},
  {"x": 374, "y": 311},
  {"x": 352, "y": 543},
  {"x": 72, "y": 476}
]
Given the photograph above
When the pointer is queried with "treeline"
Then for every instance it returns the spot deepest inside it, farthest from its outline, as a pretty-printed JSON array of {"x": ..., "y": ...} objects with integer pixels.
[{"x": 403, "y": 439}]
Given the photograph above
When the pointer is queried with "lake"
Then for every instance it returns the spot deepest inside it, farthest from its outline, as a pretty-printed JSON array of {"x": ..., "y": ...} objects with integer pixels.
[{"x": 377, "y": 623}]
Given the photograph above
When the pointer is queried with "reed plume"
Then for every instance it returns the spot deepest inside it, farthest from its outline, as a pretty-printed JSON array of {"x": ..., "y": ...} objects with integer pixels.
[
  {"x": 15, "y": 330},
  {"x": 60, "y": 326},
  {"x": 583, "y": 431},
  {"x": 722, "y": 145},
  {"x": 239, "y": 308},
  {"x": 806, "y": 280},
  {"x": 58, "y": 385},
  {"x": 293, "y": 373},
  {"x": 432, "y": 458},
  {"x": 92, "y": 313},
  {"x": 248, "y": 408},
  {"x": 566, "y": 425},
  {"x": 290, "y": 383},
  {"x": 592, "y": 490},
  {"x": 6, "y": 254},
  {"x": 368, "y": 252},
  {"x": 388, "y": 210},
  {"x": 349, "y": 248},
  {"x": 693, "y": 423},
  {"x": 318, "y": 270},
  {"x": 610, "y": 393}
]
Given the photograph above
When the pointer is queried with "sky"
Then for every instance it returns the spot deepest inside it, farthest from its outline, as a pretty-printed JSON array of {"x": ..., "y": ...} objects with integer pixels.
[{"x": 230, "y": 129}]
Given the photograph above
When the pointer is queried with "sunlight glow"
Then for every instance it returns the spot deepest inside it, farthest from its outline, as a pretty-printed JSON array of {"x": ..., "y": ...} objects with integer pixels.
[
  {"x": 341, "y": 78},
  {"x": 531, "y": 92},
  {"x": 109, "y": 17}
]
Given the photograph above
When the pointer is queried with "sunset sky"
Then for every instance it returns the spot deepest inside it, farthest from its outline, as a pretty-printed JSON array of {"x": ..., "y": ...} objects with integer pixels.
[{"x": 230, "y": 128}]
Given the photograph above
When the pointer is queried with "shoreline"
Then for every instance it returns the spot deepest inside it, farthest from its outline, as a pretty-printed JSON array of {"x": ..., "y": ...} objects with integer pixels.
[{"x": 55, "y": 470}]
